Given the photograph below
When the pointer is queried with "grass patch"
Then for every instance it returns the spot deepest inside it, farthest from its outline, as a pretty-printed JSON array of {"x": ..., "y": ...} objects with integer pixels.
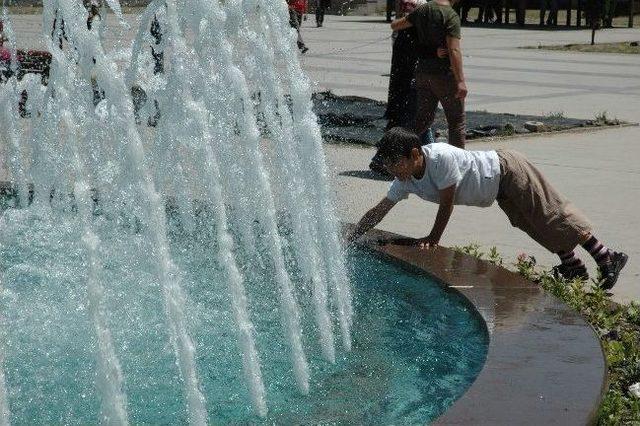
[
  {"x": 555, "y": 114},
  {"x": 602, "y": 119},
  {"x": 617, "y": 326},
  {"x": 627, "y": 47}
]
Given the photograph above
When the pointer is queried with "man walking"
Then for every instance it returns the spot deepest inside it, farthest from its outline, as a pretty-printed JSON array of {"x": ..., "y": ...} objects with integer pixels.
[
  {"x": 297, "y": 9},
  {"x": 321, "y": 7}
]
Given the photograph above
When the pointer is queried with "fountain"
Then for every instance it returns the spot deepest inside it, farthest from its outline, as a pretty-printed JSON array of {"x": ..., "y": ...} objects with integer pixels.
[{"x": 153, "y": 245}]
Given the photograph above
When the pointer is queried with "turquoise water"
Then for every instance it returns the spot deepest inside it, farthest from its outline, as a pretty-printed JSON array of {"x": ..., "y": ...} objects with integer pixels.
[{"x": 416, "y": 347}]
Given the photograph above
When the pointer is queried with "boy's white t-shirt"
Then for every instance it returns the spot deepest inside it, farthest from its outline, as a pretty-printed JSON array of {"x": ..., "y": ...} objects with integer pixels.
[{"x": 476, "y": 174}]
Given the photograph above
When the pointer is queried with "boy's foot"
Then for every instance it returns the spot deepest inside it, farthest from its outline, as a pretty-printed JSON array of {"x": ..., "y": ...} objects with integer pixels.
[
  {"x": 304, "y": 49},
  {"x": 570, "y": 274},
  {"x": 610, "y": 271}
]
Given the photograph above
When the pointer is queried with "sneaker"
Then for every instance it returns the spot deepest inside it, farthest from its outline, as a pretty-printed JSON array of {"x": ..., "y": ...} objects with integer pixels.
[
  {"x": 570, "y": 274},
  {"x": 304, "y": 50},
  {"x": 609, "y": 272}
]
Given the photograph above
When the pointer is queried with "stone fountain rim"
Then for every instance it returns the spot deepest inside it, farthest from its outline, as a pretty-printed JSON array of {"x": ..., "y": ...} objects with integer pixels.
[{"x": 545, "y": 363}]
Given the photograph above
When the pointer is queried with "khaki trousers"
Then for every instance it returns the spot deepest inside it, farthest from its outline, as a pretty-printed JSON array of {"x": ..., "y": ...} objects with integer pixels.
[{"x": 534, "y": 206}]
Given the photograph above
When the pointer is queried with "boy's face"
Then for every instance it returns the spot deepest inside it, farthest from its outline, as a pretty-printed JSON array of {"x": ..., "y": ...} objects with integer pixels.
[{"x": 405, "y": 167}]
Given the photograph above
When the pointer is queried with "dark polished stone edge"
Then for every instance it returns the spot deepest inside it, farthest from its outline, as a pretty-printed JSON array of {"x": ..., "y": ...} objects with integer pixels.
[{"x": 545, "y": 364}]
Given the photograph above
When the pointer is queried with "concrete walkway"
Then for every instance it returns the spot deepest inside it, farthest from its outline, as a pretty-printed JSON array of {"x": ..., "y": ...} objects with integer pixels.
[{"x": 597, "y": 170}]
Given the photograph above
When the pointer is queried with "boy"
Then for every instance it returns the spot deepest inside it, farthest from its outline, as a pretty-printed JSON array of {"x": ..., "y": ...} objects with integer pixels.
[{"x": 448, "y": 175}]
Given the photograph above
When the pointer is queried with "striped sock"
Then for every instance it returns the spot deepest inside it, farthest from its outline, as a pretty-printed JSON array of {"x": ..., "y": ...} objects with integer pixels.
[
  {"x": 600, "y": 253},
  {"x": 570, "y": 260}
]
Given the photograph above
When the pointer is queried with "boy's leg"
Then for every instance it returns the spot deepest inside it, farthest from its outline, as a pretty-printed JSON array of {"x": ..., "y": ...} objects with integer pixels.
[
  {"x": 534, "y": 206},
  {"x": 571, "y": 267}
]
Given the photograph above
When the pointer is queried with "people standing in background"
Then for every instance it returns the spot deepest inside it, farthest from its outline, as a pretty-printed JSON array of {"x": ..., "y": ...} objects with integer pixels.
[
  {"x": 297, "y": 9},
  {"x": 401, "y": 101},
  {"x": 462, "y": 8},
  {"x": 486, "y": 12},
  {"x": 552, "y": 19},
  {"x": 93, "y": 7},
  {"x": 321, "y": 8},
  {"x": 438, "y": 79},
  {"x": 608, "y": 12},
  {"x": 521, "y": 11},
  {"x": 391, "y": 5}
]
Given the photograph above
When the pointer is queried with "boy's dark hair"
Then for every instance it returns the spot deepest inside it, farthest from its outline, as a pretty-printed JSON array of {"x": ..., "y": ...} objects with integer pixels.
[{"x": 396, "y": 143}]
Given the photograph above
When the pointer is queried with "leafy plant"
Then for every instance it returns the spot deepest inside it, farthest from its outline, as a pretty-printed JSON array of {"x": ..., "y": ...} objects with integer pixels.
[
  {"x": 601, "y": 117},
  {"x": 555, "y": 114}
]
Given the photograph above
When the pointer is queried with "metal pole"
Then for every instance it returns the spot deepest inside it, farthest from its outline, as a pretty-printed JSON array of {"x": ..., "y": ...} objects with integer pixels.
[{"x": 631, "y": 10}]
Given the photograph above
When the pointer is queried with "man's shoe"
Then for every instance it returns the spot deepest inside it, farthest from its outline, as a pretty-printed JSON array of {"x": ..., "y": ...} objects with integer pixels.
[
  {"x": 570, "y": 274},
  {"x": 609, "y": 272}
]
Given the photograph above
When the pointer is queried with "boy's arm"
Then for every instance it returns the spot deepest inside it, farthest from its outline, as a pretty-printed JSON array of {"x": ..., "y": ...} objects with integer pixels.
[
  {"x": 371, "y": 219},
  {"x": 401, "y": 24},
  {"x": 455, "y": 58},
  {"x": 447, "y": 196}
]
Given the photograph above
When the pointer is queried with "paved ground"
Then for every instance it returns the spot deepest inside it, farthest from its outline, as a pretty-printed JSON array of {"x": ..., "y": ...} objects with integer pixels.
[{"x": 597, "y": 170}]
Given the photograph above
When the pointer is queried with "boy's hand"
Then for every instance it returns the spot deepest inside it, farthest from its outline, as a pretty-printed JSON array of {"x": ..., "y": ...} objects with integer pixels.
[
  {"x": 348, "y": 237},
  {"x": 442, "y": 52}
]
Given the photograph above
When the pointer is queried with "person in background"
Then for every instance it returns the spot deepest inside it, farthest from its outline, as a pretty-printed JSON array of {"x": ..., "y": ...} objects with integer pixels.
[
  {"x": 552, "y": 19},
  {"x": 321, "y": 8},
  {"x": 401, "y": 101},
  {"x": 462, "y": 8},
  {"x": 297, "y": 9},
  {"x": 391, "y": 5},
  {"x": 486, "y": 12},
  {"x": 438, "y": 79},
  {"x": 521, "y": 11},
  {"x": 608, "y": 12},
  {"x": 93, "y": 8}
]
